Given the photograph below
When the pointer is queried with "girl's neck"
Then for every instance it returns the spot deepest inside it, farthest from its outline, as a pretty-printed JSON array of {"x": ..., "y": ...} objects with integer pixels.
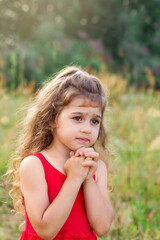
[{"x": 57, "y": 152}]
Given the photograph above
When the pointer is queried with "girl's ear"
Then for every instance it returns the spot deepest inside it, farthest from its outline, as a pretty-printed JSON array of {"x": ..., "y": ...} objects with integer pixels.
[
  {"x": 52, "y": 124},
  {"x": 52, "y": 127}
]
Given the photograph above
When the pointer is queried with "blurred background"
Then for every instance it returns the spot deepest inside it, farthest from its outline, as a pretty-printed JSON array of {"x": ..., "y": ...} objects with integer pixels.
[{"x": 119, "y": 41}]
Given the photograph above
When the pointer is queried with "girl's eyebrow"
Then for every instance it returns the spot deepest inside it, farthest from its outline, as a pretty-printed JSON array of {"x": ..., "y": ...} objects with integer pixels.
[{"x": 81, "y": 113}]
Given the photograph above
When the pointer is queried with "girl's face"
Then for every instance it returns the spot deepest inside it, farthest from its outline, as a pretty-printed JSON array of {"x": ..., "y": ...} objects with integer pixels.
[{"x": 78, "y": 124}]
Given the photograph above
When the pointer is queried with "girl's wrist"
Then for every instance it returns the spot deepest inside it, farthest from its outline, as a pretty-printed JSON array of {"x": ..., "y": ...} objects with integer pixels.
[
  {"x": 88, "y": 181},
  {"x": 76, "y": 181}
]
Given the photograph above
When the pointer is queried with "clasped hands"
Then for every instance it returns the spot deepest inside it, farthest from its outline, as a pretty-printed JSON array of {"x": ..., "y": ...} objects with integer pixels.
[{"x": 86, "y": 162}]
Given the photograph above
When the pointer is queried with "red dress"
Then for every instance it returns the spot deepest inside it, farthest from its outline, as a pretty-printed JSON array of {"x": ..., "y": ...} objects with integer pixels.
[{"x": 77, "y": 225}]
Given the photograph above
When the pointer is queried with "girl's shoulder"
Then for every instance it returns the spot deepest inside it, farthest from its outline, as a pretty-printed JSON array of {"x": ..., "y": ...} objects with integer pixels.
[
  {"x": 30, "y": 161},
  {"x": 31, "y": 167},
  {"x": 31, "y": 173}
]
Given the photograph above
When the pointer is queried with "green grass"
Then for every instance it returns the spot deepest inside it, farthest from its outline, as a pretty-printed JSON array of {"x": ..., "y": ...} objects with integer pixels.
[
  {"x": 134, "y": 122},
  {"x": 137, "y": 182}
]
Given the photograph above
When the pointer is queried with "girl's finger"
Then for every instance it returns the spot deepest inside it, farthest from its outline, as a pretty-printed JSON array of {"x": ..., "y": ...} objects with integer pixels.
[
  {"x": 93, "y": 155},
  {"x": 89, "y": 163},
  {"x": 90, "y": 174},
  {"x": 81, "y": 151},
  {"x": 87, "y": 152},
  {"x": 72, "y": 153}
]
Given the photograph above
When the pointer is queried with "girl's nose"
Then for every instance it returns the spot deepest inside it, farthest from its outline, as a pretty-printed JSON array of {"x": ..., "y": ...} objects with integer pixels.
[{"x": 86, "y": 128}]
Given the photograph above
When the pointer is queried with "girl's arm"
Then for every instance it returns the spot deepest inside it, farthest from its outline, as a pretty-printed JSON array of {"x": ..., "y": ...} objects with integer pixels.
[
  {"x": 47, "y": 219},
  {"x": 98, "y": 206}
]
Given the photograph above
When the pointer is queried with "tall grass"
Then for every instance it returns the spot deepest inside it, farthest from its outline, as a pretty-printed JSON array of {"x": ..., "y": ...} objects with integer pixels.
[{"x": 134, "y": 135}]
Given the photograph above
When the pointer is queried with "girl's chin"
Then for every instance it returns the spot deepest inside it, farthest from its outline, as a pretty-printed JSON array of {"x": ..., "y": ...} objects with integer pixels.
[
  {"x": 74, "y": 149},
  {"x": 83, "y": 146}
]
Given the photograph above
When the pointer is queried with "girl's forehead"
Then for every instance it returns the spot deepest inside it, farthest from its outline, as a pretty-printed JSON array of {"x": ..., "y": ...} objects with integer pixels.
[
  {"x": 80, "y": 105},
  {"x": 84, "y": 102}
]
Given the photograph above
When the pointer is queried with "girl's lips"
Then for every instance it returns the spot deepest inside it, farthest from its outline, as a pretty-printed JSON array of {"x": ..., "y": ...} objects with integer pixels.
[{"x": 83, "y": 140}]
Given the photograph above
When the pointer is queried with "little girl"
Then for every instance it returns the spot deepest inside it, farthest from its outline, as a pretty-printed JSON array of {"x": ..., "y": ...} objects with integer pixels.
[{"x": 57, "y": 172}]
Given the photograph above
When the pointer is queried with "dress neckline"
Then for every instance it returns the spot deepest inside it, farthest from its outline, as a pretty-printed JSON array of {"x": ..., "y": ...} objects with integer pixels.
[{"x": 44, "y": 158}]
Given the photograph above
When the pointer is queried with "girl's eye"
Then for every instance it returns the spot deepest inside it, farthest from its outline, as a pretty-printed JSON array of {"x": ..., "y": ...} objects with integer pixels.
[
  {"x": 77, "y": 118},
  {"x": 95, "y": 121}
]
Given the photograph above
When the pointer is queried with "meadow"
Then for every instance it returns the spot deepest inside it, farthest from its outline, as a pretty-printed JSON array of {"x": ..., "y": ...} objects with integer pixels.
[{"x": 132, "y": 118}]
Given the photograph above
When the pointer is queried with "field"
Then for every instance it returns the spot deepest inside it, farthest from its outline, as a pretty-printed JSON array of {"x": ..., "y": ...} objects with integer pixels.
[{"x": 133, "y": 118}]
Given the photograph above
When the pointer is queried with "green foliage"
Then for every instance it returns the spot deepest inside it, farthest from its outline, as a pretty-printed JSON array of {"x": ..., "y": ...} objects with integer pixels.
[
  {"x": 27, "y": 63},
  {"x": 129, "y": 31}
]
